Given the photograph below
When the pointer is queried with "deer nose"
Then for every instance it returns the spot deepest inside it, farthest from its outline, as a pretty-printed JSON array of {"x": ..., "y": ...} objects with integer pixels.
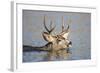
[{"x": 70, "y": 43}]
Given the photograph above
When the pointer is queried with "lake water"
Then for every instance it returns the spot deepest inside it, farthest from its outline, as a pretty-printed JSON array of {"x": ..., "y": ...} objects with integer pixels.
[
  {"x": 80, "y": 33},
  {"x": 80, "y": 51}
]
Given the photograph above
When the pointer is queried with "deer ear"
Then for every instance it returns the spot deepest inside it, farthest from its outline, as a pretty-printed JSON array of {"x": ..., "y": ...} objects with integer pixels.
[
  {"x": 45, "y": 35},
  {"x": 65, "y": 35},
  {"x": 65, "y": 32}
]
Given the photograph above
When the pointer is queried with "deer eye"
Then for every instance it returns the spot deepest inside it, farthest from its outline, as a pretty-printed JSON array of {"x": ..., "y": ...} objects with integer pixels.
[
  {"x": 59, "y": 40},
  {"x": 48, "y": 36}
]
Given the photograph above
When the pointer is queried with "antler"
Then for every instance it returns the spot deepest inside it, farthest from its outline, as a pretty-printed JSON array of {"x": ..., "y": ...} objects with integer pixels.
[
  {"x": 64, "y": 30},
  {"x": 62, "y": 24},
  {"x": 51, "y": 28}
]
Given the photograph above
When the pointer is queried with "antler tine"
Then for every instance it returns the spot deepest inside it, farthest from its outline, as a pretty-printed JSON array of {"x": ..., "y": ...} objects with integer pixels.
[
  {"x": 50, "y": 25},
  {"x": 62, "y": 24},
  {"x": 45, "y": 25},
  {"x": 51, "y": 28},
  {"x": 68, "y": 26}
]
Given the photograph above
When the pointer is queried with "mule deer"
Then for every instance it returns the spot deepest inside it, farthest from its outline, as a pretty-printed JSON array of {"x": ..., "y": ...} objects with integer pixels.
[
  {"x": 57, "y": 46},
  {"x": 59, "y": 43}
]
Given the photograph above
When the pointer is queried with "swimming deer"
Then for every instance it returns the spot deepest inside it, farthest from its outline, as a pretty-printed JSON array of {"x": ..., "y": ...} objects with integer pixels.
[{"x": 59, "y": 44}]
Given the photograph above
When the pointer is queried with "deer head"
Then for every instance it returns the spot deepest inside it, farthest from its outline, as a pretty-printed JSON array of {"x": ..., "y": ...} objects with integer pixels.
[{"x": 59, "y": 41}]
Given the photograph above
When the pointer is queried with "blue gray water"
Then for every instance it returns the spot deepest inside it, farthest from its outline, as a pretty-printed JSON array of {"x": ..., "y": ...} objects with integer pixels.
[{"x": 80, "y": 33}]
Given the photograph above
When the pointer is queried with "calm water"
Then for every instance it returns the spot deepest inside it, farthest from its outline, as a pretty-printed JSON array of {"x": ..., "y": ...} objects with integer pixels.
[
  {"x": 80, "y": 34},
  {"x": 79, "y": 51}
]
